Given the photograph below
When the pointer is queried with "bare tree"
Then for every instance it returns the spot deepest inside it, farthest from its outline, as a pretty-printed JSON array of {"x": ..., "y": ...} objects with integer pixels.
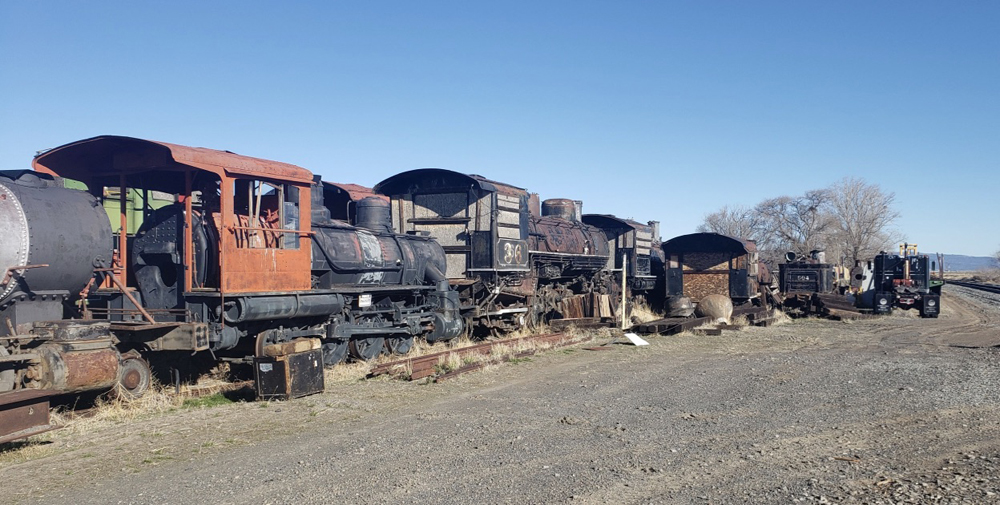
[
  {"x": 735, "y": 221},
  {"x": 865, "y": 216},
  {"x": 799, "y": 224}
]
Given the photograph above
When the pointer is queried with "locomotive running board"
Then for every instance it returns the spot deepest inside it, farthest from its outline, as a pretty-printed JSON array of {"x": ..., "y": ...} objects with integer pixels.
[{"x": 24, "y": 413}]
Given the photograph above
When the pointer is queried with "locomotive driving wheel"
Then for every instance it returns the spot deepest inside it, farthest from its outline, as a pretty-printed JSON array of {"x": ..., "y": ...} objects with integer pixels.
[
  {"x": 399, "y": 345},
  {"x": 134, "y": 378},
  {"x": 366, "y": 348},
  {"x": 334, "y": 352}
]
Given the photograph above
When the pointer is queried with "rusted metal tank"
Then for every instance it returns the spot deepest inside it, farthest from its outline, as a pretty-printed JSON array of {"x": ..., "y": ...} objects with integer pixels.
[
  {"x": 560, "y": 207},
  {"x": 72, "y": 367},
  {"x": 560, "y": 230},
  {"x": 73, "y": 356}
]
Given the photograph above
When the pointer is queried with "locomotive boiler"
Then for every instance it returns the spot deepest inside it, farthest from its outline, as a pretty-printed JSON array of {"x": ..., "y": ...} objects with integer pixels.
[
  {"x": 54, "y": 239},
  {"x": 569, "y": 259}
]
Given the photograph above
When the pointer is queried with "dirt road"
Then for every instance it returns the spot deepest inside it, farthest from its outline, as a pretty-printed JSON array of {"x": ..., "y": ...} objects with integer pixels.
[{"x": 890, "y": 410}]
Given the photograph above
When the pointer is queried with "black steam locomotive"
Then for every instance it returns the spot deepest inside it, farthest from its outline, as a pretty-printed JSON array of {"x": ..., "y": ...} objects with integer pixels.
[
  {"x": 515, "y": 264},
  {"x": 247, "y": 257}
]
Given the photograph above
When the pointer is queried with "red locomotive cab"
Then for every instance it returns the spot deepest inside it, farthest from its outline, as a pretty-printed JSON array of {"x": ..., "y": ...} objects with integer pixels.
[
  {"x": 225, "y": 240},
  {"x": 253, "y": 208},
  {"x": 262, "y": 235}
]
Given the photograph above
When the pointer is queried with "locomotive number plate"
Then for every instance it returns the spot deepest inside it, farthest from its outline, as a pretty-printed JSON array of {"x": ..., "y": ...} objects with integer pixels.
[{"x": 512, "y": 253}]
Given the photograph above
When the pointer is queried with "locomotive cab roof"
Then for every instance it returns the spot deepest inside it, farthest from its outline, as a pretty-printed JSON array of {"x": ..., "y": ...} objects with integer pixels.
[
  {"x": 104, "y": 159},
  {"x": 439, "y": 179}
]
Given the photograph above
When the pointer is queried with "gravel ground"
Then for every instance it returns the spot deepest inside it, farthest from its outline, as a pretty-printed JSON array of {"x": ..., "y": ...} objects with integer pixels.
[{"x": 889, "y": 410}]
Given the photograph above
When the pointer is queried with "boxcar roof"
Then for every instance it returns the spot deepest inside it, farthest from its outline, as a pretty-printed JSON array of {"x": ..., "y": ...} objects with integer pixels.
[
  {"x": 708, "y": 242},
  {"x": 105, "y": 158}
]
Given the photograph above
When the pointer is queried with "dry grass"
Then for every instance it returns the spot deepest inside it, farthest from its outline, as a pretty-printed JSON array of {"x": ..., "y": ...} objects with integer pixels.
[
  {"x": 780, "y": 318},
  {"x": 160, "y": 399},
  {"x": 352, "y": 372},
  {"x": 643, "y": 313},
  {"x": 107, "y": 411},
  {"x": 989, "y": 275}
]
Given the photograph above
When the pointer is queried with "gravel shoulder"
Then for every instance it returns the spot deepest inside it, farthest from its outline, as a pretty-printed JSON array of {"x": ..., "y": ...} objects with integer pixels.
[{"x": 889, "y": 410}]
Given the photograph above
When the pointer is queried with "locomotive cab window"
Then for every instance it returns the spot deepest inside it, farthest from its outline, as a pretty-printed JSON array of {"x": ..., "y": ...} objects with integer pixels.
[{"x": 267, "y": 215}]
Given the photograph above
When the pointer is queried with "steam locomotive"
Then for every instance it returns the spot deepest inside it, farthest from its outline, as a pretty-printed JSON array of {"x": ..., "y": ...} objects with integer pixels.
[
  {"x": 514, "y": 262},
  {"x": 247, "y": 256}
]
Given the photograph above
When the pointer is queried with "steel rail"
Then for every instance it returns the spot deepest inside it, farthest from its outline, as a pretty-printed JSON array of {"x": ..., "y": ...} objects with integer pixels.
[{"x": 989, "y": 288}]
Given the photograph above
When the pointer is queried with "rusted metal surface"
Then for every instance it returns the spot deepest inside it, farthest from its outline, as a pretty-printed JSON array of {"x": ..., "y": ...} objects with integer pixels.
[
  {"x": 77, "y": 366},
  {"x": 638, "y": 242},
  {"x": 135, "y": 303},
  {"x": 562, "y": 208},
  {"x": 562, "y": 236},
  {"x": 341, "y": 200},
  {"x": 289, "y": 376},
  {"x": 711, "y": 263},
  {"x": 24, "y": 413},
  {"x": 671, "y": 325},
  {"x": 431, "y": 364},
  {"x": 98, "y": 158},
  {"x": 247, "y": 268},
  {"x": 355, "y": 192},
  {"x": 245, "y": 265},
  {"x": 580, "y": 323}
]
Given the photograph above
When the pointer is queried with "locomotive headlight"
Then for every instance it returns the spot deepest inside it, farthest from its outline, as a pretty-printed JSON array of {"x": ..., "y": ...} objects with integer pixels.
[
  {"x": 931, "y": 302},
  {"x": 882, "y": 301}
]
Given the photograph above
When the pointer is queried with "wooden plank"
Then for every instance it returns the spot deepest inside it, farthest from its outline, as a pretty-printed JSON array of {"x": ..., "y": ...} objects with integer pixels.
[
  {"x": 708, "y": 332},
  {"x": 606, "y": 311},
  {"x": 581, "y": 322}
]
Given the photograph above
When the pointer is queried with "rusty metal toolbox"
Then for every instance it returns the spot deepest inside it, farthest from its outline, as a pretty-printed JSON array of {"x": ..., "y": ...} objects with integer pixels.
[{"x": 289, "y": 376}]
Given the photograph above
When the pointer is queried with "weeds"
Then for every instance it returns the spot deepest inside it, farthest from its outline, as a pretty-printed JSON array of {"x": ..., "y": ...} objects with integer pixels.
[{"x": 207, "y": 401}]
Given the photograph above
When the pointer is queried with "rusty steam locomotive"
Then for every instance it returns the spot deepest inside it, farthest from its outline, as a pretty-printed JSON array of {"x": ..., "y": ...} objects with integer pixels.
[{"x": 247, "y": 259}]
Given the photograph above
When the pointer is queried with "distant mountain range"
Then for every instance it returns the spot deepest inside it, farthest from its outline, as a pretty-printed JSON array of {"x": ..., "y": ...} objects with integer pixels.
[{"x": 961, "y": 263}]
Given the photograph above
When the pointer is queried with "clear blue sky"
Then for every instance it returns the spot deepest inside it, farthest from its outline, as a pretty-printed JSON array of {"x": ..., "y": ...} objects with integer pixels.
[{"x": 650, "y": 110}]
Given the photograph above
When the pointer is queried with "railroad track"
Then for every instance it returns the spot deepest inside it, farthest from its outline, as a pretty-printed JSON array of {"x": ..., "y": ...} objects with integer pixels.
[
  {"x": 437, "y": 364},
  {"x": 989, "y": 288}
]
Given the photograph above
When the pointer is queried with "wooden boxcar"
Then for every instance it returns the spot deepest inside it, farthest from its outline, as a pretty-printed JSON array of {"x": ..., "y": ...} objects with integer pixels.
[{"x": 700, "y": 264}]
